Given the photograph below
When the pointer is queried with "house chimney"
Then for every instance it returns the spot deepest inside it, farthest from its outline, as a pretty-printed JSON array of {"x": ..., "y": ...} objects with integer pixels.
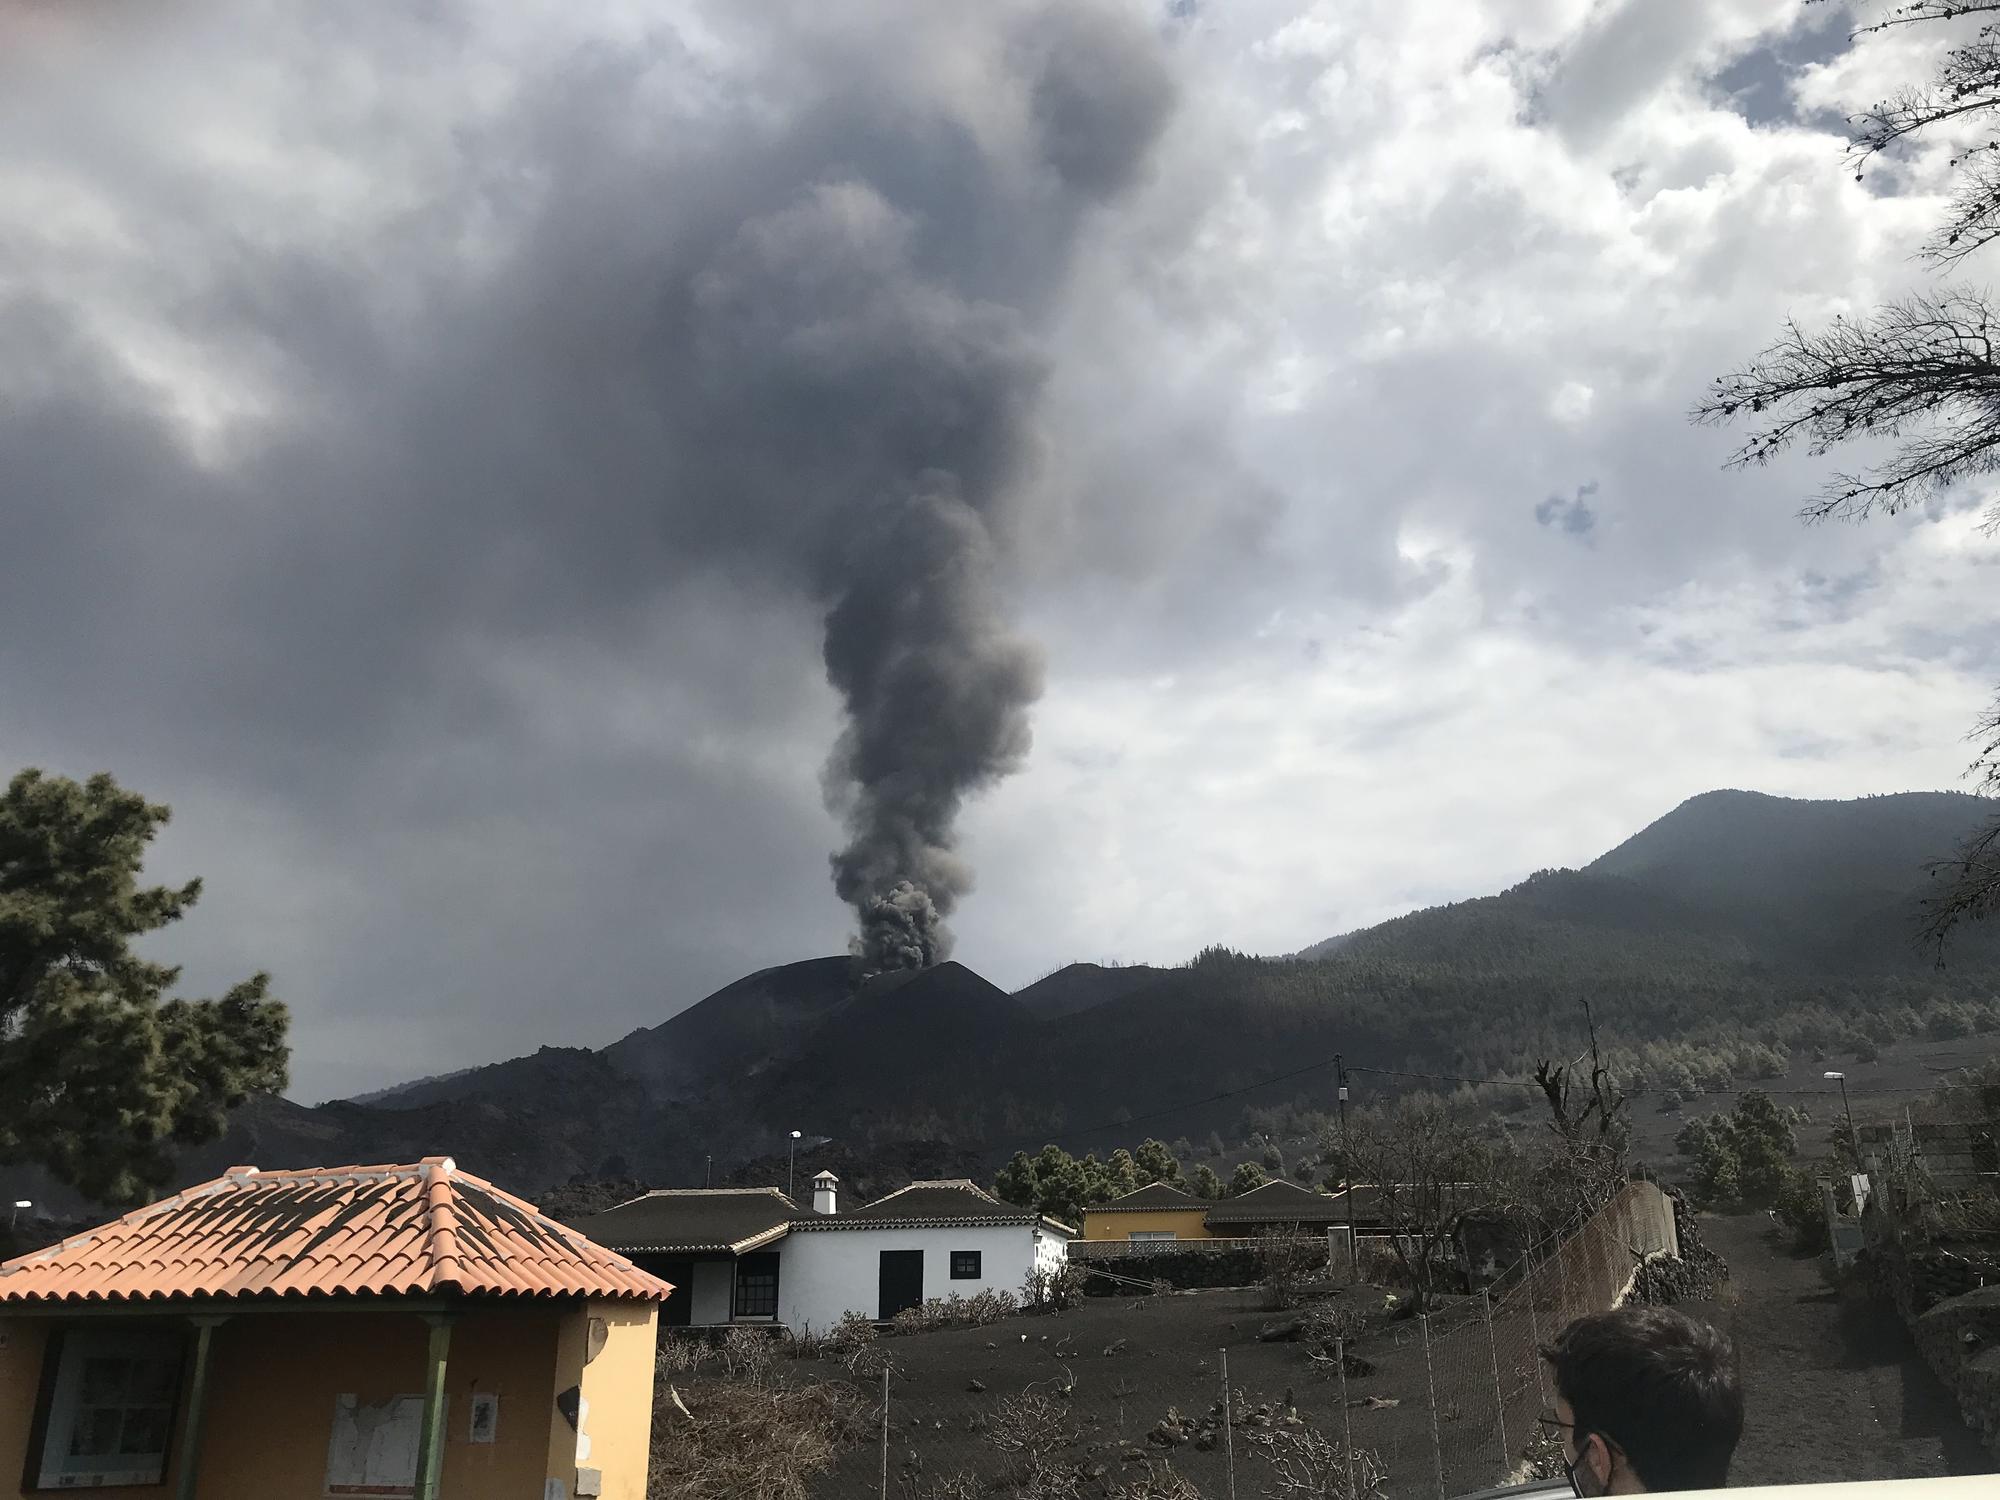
[{"x": 826, "y": 1193}]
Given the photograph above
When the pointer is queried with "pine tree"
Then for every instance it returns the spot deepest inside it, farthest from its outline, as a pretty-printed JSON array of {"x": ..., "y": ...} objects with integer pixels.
[
  {"x": 1157, "y": 1164},
  {"x": 102, "y": 1077},
  {"x": 1247, "y": 1175}
]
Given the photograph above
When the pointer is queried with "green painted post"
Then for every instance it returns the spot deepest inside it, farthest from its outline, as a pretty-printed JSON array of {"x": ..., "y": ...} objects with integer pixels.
[
  {"x": 197, "y": 1409},
  {"x": 430, "y": 1447}
]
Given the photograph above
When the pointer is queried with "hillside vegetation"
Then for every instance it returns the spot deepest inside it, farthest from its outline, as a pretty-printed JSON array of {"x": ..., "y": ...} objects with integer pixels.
[{"x": 1735, "y": 931}]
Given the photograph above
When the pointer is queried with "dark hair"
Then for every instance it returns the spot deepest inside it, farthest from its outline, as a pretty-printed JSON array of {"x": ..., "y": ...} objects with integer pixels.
[{"x": 1660, "y": 1386}]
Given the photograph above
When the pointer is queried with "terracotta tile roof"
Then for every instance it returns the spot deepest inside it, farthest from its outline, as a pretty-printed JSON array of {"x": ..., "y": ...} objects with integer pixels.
[
  {"x": 1154, "y": 1196},
  {"x": 325, "y": 1232},
  {"x": 689, "y": 1220}
]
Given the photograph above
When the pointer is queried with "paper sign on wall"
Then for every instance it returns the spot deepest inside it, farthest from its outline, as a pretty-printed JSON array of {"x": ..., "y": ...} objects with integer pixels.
[
  {"x": 485, "y": 1417},
  {"x": 373, "y": 1449}
]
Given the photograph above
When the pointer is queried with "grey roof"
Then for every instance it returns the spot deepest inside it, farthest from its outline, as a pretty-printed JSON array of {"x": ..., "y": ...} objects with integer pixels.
[
  {"x": 1154, "y": 1196},
  {"x": 1280, "y": 1202},
  {"x": 694, "y": 1219},
  {"x": 923, "y": 1205}
]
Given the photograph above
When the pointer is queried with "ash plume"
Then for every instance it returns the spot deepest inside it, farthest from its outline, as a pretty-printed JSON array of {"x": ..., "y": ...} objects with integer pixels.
[
  {"x": 937, "y": 689},
  {"x": 745, "y": 304}
]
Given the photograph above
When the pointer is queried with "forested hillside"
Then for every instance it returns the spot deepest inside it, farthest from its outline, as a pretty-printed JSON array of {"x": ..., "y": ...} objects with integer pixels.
[{"x": 1732, "y": 934}]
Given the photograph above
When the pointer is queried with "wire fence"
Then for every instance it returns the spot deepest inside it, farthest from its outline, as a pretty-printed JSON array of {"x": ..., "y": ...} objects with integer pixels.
[{"x": 1214, "y": 1394}]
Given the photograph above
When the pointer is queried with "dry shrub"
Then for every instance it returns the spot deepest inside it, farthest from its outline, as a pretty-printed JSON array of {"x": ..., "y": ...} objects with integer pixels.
[
  {"x": 680, "y": 1355},
  {"x": 1159, "y": 1482},
  {"x": 1329, "y": 1324},
  {"x": 955, "y": 1312},
  {"x": 1311, "y": 1466},
  {"x": 753, "y": 1442},
  {"x": 1293, "y": 1263},
  {"x": 1379, "y": 1265},
  {"x": 746, "y": 1354},
  {"x": 1053, "y": 1290},
  {"x": 1031, "y": 1424},
  {"x": 855, "y": 1342},
  {"x": 1037, "y": 1430},
  {"x": 959, "y": 1486}
]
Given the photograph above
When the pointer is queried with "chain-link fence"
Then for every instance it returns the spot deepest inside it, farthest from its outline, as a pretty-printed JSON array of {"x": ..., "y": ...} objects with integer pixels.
[{"x": 1215, "y": 1394}]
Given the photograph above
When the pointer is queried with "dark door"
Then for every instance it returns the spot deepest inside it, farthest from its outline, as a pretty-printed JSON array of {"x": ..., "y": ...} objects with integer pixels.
[
  {"x": 902, "y": 1281},
  {"x": 680, "y": 1272}
]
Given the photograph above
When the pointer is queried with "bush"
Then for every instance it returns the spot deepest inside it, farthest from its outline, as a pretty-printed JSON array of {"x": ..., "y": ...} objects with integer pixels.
[
  {"x": 746, "y": 1354},
  {"x": 1291, "y": 1264},
  {"x": 1802, "y": 1209},
  {"x": 735, "y": 1441},
  {"x": 1315, "y": 1467},
  {"x": 955, "y": 1312},
  {"x": 1054, "y": 1289},
  {"x": 680, "y": 1354}
]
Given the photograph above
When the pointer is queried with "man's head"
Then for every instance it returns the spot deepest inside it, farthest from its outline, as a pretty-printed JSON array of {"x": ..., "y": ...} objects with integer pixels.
[{"x": 1646, "y": 1400}]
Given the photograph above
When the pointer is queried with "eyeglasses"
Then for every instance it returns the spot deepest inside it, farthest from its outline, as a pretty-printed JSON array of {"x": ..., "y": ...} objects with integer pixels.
[{"x": 1552, "y": 1423}]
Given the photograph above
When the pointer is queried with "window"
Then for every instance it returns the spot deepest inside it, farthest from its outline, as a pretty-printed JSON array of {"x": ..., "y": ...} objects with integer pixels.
[
  {"x": 1152, "y": 1235},
  {"x": 965, "y": 1265},
  {"x": 111, "y": 1410},
  {"x": 757, "y": 1286}
]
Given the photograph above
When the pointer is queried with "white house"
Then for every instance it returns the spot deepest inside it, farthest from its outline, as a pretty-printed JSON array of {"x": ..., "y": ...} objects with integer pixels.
[{"x": 750, "y": 1255}]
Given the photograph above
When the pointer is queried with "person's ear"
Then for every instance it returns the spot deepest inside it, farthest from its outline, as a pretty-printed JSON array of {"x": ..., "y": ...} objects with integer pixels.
[{"x": 1597, "y": 1458}]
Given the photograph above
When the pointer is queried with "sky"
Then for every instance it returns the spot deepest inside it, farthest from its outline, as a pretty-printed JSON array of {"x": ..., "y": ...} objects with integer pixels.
[{"x": 439, "y": 444}]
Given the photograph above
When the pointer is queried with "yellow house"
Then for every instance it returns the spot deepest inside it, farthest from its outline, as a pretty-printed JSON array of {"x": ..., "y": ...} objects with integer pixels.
[
  {"x": 397, "y": 1331},
  {"x": 1154, "y": 1212}
]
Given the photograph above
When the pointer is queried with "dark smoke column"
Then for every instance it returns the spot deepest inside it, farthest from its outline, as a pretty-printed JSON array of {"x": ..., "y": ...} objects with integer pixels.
[
  {"x": 856, "y": 396},
  {"x": 937, "y": 690}
]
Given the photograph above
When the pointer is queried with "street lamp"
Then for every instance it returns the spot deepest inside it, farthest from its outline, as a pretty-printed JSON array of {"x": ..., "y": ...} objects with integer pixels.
[
  {"x": 1853, "y": 1140},
  {"x": 19, "y": 1204},
  {"x": 791, "y": 1166}
]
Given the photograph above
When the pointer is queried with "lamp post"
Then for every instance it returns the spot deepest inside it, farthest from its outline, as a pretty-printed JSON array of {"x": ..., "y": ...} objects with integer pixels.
[
  {"x": 1853, "y": 1140},
  {"x": 792, "y": 1164},
  {"x": 19, "y": 1204}
]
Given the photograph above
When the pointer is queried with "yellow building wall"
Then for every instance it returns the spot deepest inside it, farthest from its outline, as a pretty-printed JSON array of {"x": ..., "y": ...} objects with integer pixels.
[
  {"x": 1186, "y": 1223},
  {"x": 618, "y": 1390},
  {"x": 273, "y": 1378}
]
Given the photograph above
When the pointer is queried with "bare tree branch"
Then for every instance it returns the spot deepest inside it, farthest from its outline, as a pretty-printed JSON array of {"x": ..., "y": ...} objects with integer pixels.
[{"x": 1923, "y": 370}]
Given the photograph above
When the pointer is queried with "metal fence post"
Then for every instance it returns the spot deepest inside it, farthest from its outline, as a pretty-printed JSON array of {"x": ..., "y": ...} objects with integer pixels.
[
  {"x": 1535, "y": 1332},
  {"x": 1430, "y": 1384},
  {"x": 1499, "y": 1391},
  {"x": 1346, "y": 1419},
  {"x": 1228, "y": 1429},
  {"x": 885, "y": 1430}
]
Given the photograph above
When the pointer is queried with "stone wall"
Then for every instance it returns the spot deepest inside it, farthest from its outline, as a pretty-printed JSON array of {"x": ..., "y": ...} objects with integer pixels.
[
  {"x": 1959, "y": 1338},
  {"x": 1691, "y": 1276},
  {"x": 1949, "y": 1296}
]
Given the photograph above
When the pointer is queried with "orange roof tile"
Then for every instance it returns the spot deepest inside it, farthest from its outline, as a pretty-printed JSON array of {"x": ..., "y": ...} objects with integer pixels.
[{"x": 324, "y": 1232}]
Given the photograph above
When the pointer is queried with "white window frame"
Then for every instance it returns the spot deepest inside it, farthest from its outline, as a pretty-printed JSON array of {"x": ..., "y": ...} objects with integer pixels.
[
  {"x": 58, "y": 1470},
  {"x": 1151, "y": 1236}
]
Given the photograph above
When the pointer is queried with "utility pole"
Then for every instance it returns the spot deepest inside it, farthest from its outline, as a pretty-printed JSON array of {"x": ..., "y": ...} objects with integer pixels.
[
  {"x": 1346, "y": 1167},
  {"x": 1595, "y": 1064},
  {"x": 792, "y": 1164},
  {"x": 1853, "y": 1139},
  {"x": 708, "y": 1174}
]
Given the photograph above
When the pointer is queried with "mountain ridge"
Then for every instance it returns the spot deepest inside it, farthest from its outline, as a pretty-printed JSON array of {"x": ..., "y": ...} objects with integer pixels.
[{"x": 1733, "y": 915}]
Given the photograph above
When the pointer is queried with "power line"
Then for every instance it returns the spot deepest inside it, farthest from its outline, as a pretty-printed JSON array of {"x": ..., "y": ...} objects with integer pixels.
[{"x": 1515, "y": 1083}]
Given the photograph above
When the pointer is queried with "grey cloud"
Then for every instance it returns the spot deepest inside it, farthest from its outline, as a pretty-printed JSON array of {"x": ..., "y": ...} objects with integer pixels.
[{"x": 791, "y": 340}]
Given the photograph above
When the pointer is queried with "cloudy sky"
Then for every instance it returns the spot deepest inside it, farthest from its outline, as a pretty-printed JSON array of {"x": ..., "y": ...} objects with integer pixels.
[{"x": 434, "y": 441}]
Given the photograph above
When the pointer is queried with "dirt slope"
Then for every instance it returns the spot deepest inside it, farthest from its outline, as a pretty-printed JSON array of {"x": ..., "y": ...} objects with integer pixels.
[{"x": 1833, "y": 1385}]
